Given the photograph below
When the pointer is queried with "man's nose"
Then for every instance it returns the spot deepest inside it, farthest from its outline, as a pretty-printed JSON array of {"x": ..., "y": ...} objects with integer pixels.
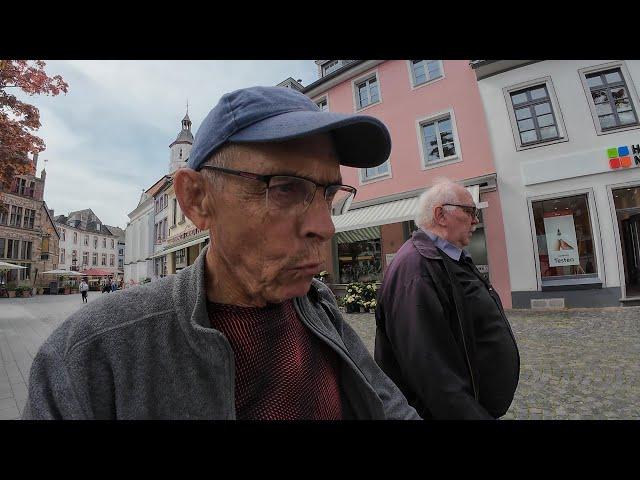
[{"x": 317, "y": 220}]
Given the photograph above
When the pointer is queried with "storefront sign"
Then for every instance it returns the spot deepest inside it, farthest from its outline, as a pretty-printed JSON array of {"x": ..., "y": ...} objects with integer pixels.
[
  {"x": 560, "y": 233},
  {"x": 621, "y": 157}
]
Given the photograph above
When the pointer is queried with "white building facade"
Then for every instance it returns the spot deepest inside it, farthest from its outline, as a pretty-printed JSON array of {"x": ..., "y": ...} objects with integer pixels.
[
  {"x": 566, "y": 143},
  {"x": 139, "y": 242},
  {"x": 85, "y": 243}
]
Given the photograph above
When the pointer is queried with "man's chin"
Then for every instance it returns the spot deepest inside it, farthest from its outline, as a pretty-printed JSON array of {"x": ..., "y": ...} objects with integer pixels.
[{"x": 295, "y": 288}]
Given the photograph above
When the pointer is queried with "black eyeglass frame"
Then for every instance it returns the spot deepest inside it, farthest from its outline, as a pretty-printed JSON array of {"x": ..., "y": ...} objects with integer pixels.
[
  {"x": 468, "y": 209},
  {"x": 267, "y": 180}
]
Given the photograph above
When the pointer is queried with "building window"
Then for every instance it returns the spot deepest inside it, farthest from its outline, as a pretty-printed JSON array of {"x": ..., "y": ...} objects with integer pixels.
[
  {"x": 62, "y": 256},
  {"x": 95, "y": 242},
  {"x": 120, "y": 251},
  {"x": 439, "y": 140},
  {"x": 25, "y": 253},
  {"x": 13, "y": 248},
  {"x": 367, "y": 92},
  {"x": 85, "y": 259},
  {"x": 175, "y": 212},
  {"x": 535, "y": 119},
  {"x": 112, "y": 260},
  {"x": 29, "y": 218},
  {"x": 322, "y": 104},
  {"x": 566, "y": 248},
  {"x": 94, "y": 259},
  {"x": 104, "y": 242},
  {"x": 367, "y": 174},
  {"x": 181, "y": 216},
  {"x": 359, "y": 255},
  {"x": 3, "y": 215},
  {"x": 113, "y": 245},
  {"x": 423, "y": 71},
  {"x": 120, "y": 264},
  {"x": 331, "y": 66},
  {"x": 181, "y": 257},
  {"x": 75, "y": 237},
  {"x": 609, "y": 99},
  {"x": 16, "y": 216},
  {"x": 2, "y": 245},
  {"x": 63, "y": 234},
  {"x": 25, "y": 273},
  {"x": 104, "y": 260},
  {"x": 86, "y": 240}
]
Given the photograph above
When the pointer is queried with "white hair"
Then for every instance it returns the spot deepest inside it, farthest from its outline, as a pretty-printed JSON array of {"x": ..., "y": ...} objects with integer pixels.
[{"x": 442, "y": 191}]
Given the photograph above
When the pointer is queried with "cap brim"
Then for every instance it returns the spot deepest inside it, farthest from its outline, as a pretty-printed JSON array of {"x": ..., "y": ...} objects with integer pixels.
[{"x": 361, "y": 141}]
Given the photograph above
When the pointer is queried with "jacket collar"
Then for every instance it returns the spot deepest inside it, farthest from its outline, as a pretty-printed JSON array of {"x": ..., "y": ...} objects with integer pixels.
[{"x": 425, "y": 246}]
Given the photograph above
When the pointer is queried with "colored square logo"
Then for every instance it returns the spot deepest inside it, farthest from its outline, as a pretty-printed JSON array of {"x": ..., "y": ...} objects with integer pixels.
[
  {"x": 623, "y": 151},
  {"x": 614, "y": 163},
  {"x": 612, "y": 152},
  {"x": 625, "y": 162}
]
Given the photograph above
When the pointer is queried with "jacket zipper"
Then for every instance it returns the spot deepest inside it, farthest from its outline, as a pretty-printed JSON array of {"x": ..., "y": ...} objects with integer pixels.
[
  {"x": 464, "y": 343},
  {"x": 332, "y": 344}
]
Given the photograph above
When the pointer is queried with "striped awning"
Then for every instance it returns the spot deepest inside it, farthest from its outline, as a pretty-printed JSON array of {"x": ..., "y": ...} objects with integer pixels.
[
  {"x": 162, "y": 253},
  {"x": 386, "y": 213},
  {"x": 376, "y": 215},
  {"x": 352, "y": 236}
]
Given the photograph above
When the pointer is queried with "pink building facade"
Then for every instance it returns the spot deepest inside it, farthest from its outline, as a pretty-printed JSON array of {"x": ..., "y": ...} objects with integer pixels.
[{"x": 436, "y": 119}]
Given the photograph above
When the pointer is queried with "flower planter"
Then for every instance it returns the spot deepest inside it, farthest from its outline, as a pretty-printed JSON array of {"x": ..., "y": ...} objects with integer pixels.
[
  {"x": 67, "y": 291},
  {"x": 12, "y": 293}
]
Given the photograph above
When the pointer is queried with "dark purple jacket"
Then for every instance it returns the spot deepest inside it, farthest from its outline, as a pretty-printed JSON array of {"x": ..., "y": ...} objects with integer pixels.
[{"x": 426, "y": 339}]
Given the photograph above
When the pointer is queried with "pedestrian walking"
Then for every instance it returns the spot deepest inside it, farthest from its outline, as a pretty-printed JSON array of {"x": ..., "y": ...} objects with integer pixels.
[
  {"x": 441, "y": 332},
  {"x": 246, "y": 332},
  {"x": 84, "y": 289}
]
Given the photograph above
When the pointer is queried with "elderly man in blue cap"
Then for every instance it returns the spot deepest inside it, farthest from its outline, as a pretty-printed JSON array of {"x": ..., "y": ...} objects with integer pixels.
[{"x": 245, "y": 332}]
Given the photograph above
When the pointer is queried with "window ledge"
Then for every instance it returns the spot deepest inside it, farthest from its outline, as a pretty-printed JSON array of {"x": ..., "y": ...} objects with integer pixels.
[
  {"x": 519, "y": 148},
  {"x": 619, "y": 129},
  {"x": 441, "y": 163},
  {"x": 573, "y": 284},
  {"x": 358, "y": 110},
  {"x": 428, "y": 82},
  {"x": 377, "y": 178}
]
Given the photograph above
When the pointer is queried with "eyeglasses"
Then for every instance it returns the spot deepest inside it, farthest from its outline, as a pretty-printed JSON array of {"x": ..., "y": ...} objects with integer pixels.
[
  {"x": 469, "y": 210},
  {"x": 292, "y": 195}
]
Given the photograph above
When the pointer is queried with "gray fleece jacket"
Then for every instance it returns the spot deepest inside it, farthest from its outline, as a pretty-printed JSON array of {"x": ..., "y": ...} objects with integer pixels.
[{"x": 148, "y": 352}]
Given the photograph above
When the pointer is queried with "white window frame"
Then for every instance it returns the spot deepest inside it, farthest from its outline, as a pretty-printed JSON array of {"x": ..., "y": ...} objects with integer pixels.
[
  {"x": 324, "y": 97},
  {"x": 381, "y": 176},
  {"x": 424, "y": 165},
  {"x": 354, "y": 90},
  {"x": 557, "y": 112},
  {"x": 631, "y": 88},
  {"x": 595, "y": 231},
  {"x": 415, "y": 86}
]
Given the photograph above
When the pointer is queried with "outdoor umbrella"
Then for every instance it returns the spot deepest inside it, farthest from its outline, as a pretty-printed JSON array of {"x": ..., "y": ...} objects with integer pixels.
[
  {"x": 60, "y": 273},
  {"x": 4, "y": 266}
]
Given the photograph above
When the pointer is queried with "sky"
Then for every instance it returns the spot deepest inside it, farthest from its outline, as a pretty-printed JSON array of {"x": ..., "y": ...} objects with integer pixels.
[{"x": 108, "y": 138}]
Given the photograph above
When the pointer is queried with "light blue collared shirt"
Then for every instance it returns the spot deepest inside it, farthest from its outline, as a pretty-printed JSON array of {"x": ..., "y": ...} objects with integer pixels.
[{"x": 447, "y": 247}]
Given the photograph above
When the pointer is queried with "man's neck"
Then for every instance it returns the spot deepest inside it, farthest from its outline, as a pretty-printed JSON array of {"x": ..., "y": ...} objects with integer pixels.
[
  {"x": 222, "y": 283},
  {"x": 442, "y": 233}
]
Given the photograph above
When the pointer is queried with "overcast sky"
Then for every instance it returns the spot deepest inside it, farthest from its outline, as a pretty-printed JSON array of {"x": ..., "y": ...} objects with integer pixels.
[{"x": 108, "y": 138}]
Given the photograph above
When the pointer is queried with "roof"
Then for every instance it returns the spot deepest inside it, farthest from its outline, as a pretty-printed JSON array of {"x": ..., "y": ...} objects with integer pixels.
[
  {"x": 117, "y": 231},
  {"x": 331, "y": 75},
  {"x": 185, "y": 136},
  {"x": 158, "y": 185}
]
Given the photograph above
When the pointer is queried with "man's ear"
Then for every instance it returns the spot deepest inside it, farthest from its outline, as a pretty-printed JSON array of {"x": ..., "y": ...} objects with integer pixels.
[
  {"x": 439, "y": 217},
  {"x": 191, "y": 191}
]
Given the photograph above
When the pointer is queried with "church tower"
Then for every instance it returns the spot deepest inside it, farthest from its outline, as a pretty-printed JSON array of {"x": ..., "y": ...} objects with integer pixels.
[{"x": 181, "y": 146}]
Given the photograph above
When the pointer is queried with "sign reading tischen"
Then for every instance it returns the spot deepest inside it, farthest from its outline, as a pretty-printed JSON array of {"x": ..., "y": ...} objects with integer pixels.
[{"x": 561, "y": 240}]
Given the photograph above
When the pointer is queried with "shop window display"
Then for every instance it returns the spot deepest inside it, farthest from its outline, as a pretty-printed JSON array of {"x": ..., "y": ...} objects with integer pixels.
[
  {"x": 360, "y": 261},
  {"x": 564, "y": 238}
]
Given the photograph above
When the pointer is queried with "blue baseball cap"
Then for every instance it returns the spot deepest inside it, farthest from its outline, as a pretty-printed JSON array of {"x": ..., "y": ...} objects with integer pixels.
[{"x": 277, "y": 114}]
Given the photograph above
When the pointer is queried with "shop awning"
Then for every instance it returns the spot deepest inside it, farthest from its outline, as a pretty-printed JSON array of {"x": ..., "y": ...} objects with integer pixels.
[
  {"x": 386, "y": 213},
  {"x": 375, "y": 215},
  {"x": 179, "y": 247}
]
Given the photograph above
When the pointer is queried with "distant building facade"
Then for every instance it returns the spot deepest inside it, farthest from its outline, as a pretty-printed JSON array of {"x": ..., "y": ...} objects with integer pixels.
[
  {"x": 86, "y": 242},
  {"x": 27, "y": 235}
]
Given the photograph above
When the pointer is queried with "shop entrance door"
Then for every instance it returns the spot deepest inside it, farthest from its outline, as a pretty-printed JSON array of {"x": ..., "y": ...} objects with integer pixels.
[{"x": 627, "y": 202}]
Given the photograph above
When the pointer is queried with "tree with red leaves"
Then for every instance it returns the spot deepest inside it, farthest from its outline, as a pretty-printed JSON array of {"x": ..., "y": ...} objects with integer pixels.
[{"x": 19, "y": 119}]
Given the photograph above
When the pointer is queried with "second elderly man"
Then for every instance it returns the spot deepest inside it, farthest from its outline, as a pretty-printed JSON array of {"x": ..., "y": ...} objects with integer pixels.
[{"x": 442, "y": 335}]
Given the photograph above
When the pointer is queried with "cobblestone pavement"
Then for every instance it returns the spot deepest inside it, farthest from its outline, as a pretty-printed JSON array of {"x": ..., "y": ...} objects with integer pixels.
[
  {"x": 25, "y": 323},
  {"x": 578, "y": 364},
  {"x": 575, "y": 364}
]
